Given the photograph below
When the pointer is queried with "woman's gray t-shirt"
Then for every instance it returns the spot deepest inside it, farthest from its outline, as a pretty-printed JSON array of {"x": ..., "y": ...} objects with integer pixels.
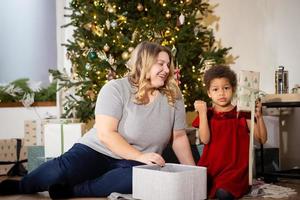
[{"x": 148, "y": 128}]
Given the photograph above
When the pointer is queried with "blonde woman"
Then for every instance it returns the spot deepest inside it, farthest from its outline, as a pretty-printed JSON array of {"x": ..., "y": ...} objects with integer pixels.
[{"x": 135, "y": 118}]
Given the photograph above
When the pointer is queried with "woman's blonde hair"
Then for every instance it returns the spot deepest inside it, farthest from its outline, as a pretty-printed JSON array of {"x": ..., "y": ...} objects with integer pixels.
[{"x": 140, "y": 63}]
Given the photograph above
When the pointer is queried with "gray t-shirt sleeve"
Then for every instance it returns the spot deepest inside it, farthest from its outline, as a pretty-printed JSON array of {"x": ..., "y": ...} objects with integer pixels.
[
  {"x": 109, "y": 101},
  {"x": 180, "y": 116}
]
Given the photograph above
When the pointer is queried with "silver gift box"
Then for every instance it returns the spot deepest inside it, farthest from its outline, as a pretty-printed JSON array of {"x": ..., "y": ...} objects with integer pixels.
[{"x": 171, "y": 182}]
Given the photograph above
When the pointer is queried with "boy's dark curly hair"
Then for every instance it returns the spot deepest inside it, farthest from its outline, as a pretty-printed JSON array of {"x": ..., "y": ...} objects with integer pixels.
[{"x": 220, "y": 71}]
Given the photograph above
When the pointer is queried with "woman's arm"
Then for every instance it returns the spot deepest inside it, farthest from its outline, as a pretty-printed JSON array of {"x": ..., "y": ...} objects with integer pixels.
[
  {"x": 204, "y": 133},
  {"x": 107, "y": 132},
  {"x": 181, "y": 147}
]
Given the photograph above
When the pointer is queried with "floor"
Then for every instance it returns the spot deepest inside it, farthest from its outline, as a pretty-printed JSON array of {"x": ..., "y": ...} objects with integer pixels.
[{"x": 291, "y": 183}]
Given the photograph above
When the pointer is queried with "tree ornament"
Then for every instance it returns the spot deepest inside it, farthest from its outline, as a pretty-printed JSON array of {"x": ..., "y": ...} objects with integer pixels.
[
  {"x": 92, "y": 55},
  {"x": 168, "y": 33},
  {"x": 111, "y": 9},
  {"x": 96, "y": 3},
  {"x": 177, "y": 75},
  {"x": 206, "y": 65},
  {"x": 174, "y": 51},
  {"x": 165, "y": 43},
  {"x": 91, "y": 94},
  {"x": 122, "y": 19},
  {"x": 97, "y": 31},
  {"x": 106, "y": 47},
  {"x": 87, "y": 66},
  {"x": 168, "y": 15},
  {"x": 125, "y": 55},
  {"x": 88, "y": 26},
  {"x": 80, "y": 43},
  {"x": 114, "y": 24},
  {"x": 130, "y": 49},
  {"x": 111, "y": 74},
  {"x": 107, "y": 24},
  {"x": 188, "y": 2},
  {"x": 181, "y": 19},
  {"x": 140, "y": 7}
]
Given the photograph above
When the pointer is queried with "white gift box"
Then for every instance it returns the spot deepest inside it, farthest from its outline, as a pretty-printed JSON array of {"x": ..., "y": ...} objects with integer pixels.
[
  {"x": 60, "y": 137},
  {"x": 171, "y": 182},
  {"x": 248, "y": 82}
]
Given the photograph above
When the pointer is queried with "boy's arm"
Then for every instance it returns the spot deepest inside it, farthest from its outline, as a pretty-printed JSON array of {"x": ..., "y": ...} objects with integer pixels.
[
  {"x": 260, "y": 130},
  {"x": 204, "y": 133}
]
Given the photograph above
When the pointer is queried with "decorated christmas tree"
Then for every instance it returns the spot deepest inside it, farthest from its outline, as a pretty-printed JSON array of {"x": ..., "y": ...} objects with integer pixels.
[{"x": 106, "y": 32}]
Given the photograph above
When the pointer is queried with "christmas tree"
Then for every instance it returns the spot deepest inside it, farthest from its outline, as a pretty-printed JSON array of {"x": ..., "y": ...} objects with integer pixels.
[{"x": 106, "y": 32}]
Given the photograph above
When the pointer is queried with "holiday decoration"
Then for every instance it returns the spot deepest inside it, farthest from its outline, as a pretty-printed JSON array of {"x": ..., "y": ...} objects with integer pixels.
[{"x": 106, "y": 33}]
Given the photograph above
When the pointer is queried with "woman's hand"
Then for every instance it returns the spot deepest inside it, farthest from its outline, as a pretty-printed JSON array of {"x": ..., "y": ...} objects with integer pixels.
[
  {"x": 200, "y": 106},
  {"x": 151, "y": 158}
]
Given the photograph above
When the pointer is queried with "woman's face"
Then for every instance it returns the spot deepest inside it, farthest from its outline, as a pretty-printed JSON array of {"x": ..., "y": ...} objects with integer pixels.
[{"x": 160, "y": 70}]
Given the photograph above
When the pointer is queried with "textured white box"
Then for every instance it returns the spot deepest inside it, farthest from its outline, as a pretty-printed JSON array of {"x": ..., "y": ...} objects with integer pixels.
[
  {"x": 59, "y": 138},
  {"x": 248, "y": 83},
  {"x": 171, "y": 182}
]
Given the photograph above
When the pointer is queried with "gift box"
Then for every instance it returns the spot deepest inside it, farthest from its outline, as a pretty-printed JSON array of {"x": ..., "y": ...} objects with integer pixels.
[
  {"x": 36, "y": 156},
  {"x": 12, "y": 154},
  {"x": 33, "y": 133},
  {"x": 60, "y": 136},
  {"x": 171, "y": 182},
  {"x": 248, "y": 83}
]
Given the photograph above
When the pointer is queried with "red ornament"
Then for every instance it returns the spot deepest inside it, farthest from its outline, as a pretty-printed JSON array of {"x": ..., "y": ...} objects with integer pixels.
[{"x": 177, "y": 75}]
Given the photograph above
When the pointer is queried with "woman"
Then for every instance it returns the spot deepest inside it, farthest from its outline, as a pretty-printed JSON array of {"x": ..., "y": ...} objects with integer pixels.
[{"x": 135, "y": 118}]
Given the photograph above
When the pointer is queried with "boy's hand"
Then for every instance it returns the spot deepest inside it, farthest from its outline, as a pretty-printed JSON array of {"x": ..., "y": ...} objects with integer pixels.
[
  {"x": 200, "y": 106},
  {"x": 258, "y": 108}
]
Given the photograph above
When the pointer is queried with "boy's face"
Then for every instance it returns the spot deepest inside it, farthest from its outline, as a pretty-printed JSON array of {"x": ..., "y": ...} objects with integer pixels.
[{"x": 220, "y": 91}]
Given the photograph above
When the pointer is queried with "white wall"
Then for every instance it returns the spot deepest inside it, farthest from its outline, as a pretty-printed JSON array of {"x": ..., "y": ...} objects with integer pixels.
[
  {"x": 12, "y": 119},
  {"x": 27, "y": 40},
  {"x": 266, "y": 34}
]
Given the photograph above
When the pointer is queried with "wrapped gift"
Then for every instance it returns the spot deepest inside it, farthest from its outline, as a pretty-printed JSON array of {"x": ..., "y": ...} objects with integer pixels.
[
  {"x": 36, "y": 156},
  {"x": 60, "y": 136},
  {"x": 12, "y": 157},
  {"x": 34, "y": 130},
  {"x": 171, "y": 182},
  {"x": 248, "y": 83},
  {"x": 33, "y": 133}
]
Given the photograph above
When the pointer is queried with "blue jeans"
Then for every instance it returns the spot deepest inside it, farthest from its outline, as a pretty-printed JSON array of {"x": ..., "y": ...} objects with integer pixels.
[{"x": 88, "y": 172}]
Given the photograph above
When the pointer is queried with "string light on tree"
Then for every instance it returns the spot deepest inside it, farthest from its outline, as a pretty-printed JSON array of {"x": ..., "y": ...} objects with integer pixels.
[{"x": 106, "y": 33}]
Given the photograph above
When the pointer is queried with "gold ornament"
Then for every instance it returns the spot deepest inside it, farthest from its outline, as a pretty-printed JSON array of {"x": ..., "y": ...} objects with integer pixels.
[
  {"x": 106, "y": 48},
  {"x": 88, "y": 26},
  {"x": 140, "y": 7},
  {"x": 81, "y": 44},
  {"x": 168, "y": 33},
  {"x": 96, "y": 3},
  {"x": 97, "y": 30},
  {"x": 91, "y": 94},
  {"x": 165, "y": 43},
  {"x": 122, "y": 19},
  {"x": 168, "y": 15},
  {"x": 188, "y": 2},
  {"x": 125, "y": 55},
  {"x": 130, "y": 49},
  {"x": 111, "y": 9}
]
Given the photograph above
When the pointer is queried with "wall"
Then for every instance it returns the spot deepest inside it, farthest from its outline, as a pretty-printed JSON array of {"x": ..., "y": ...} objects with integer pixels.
[
  {"x": 12, "y": 119},
  {"x": 266, "y": 34},
  {"x": 27, "y": 40}
]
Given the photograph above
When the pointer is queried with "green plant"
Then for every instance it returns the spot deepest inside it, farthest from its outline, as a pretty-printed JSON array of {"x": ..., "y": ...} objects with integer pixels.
[{"x": 19, "y": 90}]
